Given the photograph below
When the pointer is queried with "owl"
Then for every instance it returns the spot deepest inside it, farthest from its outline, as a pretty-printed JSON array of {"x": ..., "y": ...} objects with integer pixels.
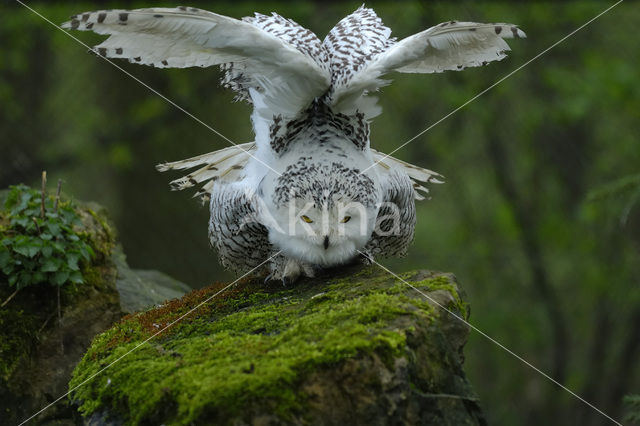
[{"x": 309, "y": 192}]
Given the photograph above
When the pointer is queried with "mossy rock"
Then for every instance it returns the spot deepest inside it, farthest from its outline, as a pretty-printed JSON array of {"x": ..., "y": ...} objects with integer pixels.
[
  {"x": 37, "y": 351},
  {"x": 357, "y": 348}
]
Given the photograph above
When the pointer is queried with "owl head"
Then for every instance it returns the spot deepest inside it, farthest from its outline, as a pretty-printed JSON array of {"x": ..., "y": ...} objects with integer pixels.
[{"x": 321, "y": 212}]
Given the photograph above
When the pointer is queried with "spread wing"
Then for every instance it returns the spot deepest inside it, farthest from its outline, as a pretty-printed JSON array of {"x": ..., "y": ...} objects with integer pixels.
[
  {"x": 270, "y": 54},
  {"x": 353, "y": 42},
  {"x": 228, "y": 165},
  {"x": 447, "y": 46}
]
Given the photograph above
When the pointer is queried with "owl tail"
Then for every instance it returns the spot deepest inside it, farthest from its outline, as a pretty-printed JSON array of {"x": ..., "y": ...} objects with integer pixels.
[
  {"x": 228, "y": 165},
  {"x": 224, "y": 166}
]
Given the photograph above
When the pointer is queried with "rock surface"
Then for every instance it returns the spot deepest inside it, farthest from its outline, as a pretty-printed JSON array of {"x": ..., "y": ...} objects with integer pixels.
[
  {"x": 354, "y": 347},
  {"x": 141, "y": 289}
]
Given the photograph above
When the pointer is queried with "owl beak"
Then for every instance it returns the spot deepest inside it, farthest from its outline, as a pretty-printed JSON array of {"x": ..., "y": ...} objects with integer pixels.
[{"x": 326, "y": 242}]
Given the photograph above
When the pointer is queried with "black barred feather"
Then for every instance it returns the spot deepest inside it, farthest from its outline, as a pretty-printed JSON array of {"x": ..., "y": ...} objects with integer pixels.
[
  {"x": 235, "y": 232},
  {"x": 353, "y": 42},
  {"x": 396, "y": 219}
]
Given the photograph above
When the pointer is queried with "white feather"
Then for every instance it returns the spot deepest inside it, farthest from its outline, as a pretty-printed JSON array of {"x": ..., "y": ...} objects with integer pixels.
[{"x": 211, "y": 158}]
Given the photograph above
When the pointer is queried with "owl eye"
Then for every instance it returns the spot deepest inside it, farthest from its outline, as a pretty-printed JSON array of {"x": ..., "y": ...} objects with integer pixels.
[
  {"x": 306, "y": 219},
  {"x": 345, "y": 219}
]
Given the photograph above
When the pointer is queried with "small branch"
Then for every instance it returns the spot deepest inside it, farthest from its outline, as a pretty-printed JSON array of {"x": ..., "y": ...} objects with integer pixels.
[
  {"x": 445, "y": 395},
  {"x": 61, "y": 349},
  {"x": 46, "y": 322},
  {"x": 9, "y": 298},
  {"x": 44, "y": 191},
  {"x": 59, "y": 314},
  {"x": 37, "y": 226},
  {"x": 55, "y": 205}
]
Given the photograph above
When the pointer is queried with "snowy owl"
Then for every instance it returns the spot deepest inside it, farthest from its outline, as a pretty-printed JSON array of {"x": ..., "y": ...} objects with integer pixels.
[{"x": 308, "y": 192}]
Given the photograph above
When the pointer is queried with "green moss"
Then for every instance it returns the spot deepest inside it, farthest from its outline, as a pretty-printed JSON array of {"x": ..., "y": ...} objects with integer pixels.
[
  {"x": 253, "y": 343},
  {"x": 443, "y": 282},
  {"x": 17, "y": 326},
  {"x": 102, "y": 241}
]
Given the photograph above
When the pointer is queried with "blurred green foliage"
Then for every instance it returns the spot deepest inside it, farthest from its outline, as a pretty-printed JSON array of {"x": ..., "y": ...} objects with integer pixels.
[
  {"x": 633, "y": 405},
  {"x": 535, "y": 218},
  {"x": 40, "y": 249}
]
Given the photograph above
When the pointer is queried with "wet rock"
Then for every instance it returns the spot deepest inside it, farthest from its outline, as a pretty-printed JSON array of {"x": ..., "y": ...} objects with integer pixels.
[{"x": 143, "y": 289}]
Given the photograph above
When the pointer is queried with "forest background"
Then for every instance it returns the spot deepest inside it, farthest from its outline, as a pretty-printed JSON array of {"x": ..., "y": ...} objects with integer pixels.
[{"x": 539, "y": 217}]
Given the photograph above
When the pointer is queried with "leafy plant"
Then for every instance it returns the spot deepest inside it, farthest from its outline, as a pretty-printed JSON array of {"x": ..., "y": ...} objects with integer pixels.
[
  {"x": 36, "y": 249},
  {"x": 633, "y": 405}
]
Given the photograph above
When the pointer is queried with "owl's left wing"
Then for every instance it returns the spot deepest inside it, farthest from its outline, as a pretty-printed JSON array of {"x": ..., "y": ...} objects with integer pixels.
[
  {"x": 276, "y": 58},
  {"x": 447, "y": 46},
  {"x": 235, "y": 229}
]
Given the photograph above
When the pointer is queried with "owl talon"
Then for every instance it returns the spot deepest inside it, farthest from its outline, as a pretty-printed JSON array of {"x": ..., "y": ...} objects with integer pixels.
[{"x": 289, "y": 271}]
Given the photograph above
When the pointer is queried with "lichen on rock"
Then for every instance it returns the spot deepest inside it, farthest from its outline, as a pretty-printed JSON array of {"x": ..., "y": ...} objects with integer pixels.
[{"x": 358, "y": 347}]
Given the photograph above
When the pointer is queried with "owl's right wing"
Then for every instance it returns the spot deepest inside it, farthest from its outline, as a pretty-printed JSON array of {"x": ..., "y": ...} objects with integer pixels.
[
  {"x": 446, "y": 46},
  {"x": 270, "y": 54}
]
